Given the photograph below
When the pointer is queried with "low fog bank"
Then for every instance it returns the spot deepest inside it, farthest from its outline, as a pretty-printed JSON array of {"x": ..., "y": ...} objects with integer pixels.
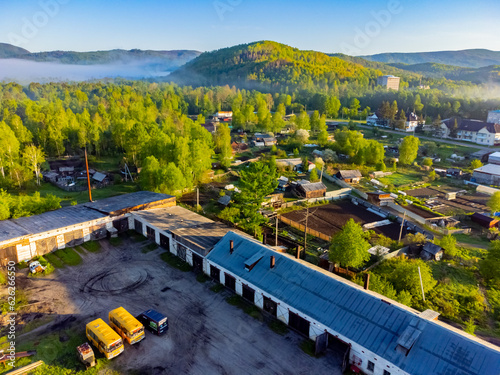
[{"x": 24, "y": 71}]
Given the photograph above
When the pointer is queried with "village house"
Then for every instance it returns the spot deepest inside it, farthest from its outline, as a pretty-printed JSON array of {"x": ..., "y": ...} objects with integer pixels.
[
  {"x": 380, "y": 198},
  {"x": 294, "y": 164},
  {"x": 475, "y": 131}
]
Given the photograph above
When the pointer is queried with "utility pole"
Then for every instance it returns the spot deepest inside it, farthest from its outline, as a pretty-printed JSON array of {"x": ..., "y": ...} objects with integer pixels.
[
  {"x": 305, "y": 234},
  {"x": 276, "y": 239},
  {"x": 401, "y": 230},
  {"x": 88, "y": 175},
  {"x": 197, "y": 199},
  {"x": 322, "y": 169},
  {"x": 421, "y": 284}
]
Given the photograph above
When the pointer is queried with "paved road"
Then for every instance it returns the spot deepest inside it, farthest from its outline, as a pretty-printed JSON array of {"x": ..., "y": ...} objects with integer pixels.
[{"x": 423, "y": 137}]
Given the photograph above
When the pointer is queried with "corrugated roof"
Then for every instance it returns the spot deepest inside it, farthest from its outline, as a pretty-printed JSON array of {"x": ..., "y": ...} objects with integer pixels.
[
  {"x": 120, "y": 203},
  {"x": 10, "y": 230},
  {"x": 489, "y": 169},
  {"x": 196, "y": 231},
  {"x": 356, "y": 314},
  {"x": 350, "y": 173},
  {"x": 311, "y": 186},
  {"x": 60, "y": 218},
  {"x": 432, "y": 248},
  {"x": 472, "y": 125},
  {"x": 98, "y": 176}
]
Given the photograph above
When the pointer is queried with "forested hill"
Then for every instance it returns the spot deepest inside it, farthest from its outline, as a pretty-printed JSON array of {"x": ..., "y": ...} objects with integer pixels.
[
  {"x": 177, "y": 58},
  {"x": 8, "y": 50},
  {"x": 271, "y": 65},
  {"x": 469, "y": 58}
]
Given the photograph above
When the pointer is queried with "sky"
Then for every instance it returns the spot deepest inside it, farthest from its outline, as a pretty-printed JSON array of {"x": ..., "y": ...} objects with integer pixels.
[{"x": 354, "y": 27}]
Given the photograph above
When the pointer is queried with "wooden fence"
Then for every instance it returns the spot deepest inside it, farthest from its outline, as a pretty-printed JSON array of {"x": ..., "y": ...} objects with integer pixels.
[{"x": 301, "y": 227}]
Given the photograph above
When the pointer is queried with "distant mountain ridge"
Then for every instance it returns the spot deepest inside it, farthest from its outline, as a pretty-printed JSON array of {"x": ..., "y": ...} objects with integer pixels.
[
  {"x": 172, "y": 59},
  {"x": 8, "y": 51},
  {"x": 469, "y": 58}
]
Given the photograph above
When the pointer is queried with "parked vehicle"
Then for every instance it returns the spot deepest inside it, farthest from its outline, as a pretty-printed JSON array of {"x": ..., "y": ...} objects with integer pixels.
[
  {"x": 36, "y": 267},
  {"x": 104, "y": 338},
  {"x": 154, "y": 321},
  {"x": 86, "y": 355},
  {"x": 128, "y": 327}
]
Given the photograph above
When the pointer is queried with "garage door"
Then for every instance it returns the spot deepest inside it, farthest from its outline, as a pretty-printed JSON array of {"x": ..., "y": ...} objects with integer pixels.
[
  {"x": 98, "y": 233},
  {"x": 230, "y": 282},
  {"x": 41, "y": 247},
  {"x": 197, "y": 262},
  {"x": 181, "y": 252},
  {"x": 138, "y": 226},
  {"x": 270, "y": 306},
  {"x": 7, "y": 254},
  {"x": 51, "y": 244},
  {"x": 150, "y": 233},
  {"x": 164, "y": 242},
  {"x": 73, "y": 238},
  {"x": 248, "y": 293},
  {"x": 121, "y": 225},
  {"x": 215, "y": 273},
  {"x": 298, "y": 323}
]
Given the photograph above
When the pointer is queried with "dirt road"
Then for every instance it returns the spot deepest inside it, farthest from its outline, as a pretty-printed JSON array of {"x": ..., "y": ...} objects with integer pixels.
[{"x": 206, "y": 335}]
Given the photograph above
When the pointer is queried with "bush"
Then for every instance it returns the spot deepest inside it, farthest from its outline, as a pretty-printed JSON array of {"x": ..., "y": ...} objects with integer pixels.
[
  {"x": 49, "y": 268},
  {"x": 3, "y": 277}
]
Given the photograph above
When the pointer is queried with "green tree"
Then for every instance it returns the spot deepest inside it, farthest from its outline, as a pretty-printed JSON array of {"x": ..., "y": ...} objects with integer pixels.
[
  {"x": 408, "y": 150},
  {"x": 490, "y": 265},
  {"x": 349, "y": 247},
  {"x": 33, "y": 158},
  {"x": 427, "y": 162},
  {"x": 494, "y": 202},
  {"x": 313, "y": 176},
  {"x": 223, "y": 145},
  {"x": 315, "y": 122},
  {"x": 474, "y": 164},
  {"x": 449, "y": 244},
  {"x": 405, "y": 276},
  {"x": 454, "y": 130},
  {"x": 256, "y": 182},
  {"x": 354, "y": 107}
]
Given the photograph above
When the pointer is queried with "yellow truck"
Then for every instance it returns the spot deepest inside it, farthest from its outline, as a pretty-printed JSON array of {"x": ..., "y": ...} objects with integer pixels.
[
  {"x": 128, "y": 327},
  {"x": 107, "y": 341}
]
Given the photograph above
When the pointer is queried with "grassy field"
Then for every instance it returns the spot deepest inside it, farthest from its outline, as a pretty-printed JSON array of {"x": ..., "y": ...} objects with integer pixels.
[
  {"x": 69, "y": 256},
  {"x": 81, "y": 196},
  {"x": 399, "y": 178},
  {"x": 473, "y": 240}
]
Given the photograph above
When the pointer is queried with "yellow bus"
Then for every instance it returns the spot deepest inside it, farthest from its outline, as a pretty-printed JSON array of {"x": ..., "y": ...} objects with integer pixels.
[
  {"x": 104, "y": 338},
  {"x": 128, "y": 327}
]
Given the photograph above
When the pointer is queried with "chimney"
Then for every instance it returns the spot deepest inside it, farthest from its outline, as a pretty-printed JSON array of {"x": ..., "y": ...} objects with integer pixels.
[
  {"x": 273, "y": 261},
  {"x": 264, "y": 239},
  {"x": 231, "y": 247},
  {"x": 367, "y": 281}
]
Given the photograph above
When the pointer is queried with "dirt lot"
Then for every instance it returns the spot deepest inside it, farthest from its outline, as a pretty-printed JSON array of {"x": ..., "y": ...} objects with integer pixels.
[
  {"x": 329, "y": 219},
  {"x": 206, "y": 336}
]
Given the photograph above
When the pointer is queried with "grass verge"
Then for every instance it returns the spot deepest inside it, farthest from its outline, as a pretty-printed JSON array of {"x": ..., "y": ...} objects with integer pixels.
[
  {"x": 202, "y": 278},
  {"x": 175, "y": 262},
  {"x": 149, "y": 247},
  {"x": 217, "y": 288},
  {"x": 92, "y": 246},
  {"x": 279, "y": 327},
  {"x": 69, "y": 256},
  {"x": 308, "y": 347},
  {"x": 54, "y": 260},
  {"x": 115, "y": 241}
]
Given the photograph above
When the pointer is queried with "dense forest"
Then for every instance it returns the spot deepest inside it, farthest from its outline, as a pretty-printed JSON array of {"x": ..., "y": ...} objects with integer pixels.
[{"x": 148, "y": 123}]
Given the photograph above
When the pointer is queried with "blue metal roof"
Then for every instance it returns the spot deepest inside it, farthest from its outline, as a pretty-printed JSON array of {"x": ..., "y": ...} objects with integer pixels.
[{"x": 362, "y": 317}]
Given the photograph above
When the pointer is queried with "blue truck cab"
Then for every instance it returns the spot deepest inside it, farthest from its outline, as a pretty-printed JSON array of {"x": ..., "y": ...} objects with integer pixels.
[{"x": 154, "y": 321}]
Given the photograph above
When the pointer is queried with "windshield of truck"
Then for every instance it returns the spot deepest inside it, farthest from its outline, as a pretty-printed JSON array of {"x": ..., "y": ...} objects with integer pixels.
[
  {"x": 163, "y": 323},
  {"x": 114, "y": 346}
]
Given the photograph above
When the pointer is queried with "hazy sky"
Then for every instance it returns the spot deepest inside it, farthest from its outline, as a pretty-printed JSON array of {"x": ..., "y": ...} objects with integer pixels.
[{"x": 349, "y": 26}]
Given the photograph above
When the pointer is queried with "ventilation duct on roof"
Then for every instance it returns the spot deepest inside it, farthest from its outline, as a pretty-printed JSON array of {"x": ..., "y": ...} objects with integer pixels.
[{"x": 252, "y": 261}]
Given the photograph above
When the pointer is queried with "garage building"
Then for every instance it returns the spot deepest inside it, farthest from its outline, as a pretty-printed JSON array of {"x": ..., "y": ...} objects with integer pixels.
[
  {"x": 382, "y": 337},
  {"x": 24, "y": 238}
]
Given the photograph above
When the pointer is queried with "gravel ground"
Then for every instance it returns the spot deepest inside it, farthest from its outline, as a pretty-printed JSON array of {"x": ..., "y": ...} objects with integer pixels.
[{"x": 206, "y": 336}]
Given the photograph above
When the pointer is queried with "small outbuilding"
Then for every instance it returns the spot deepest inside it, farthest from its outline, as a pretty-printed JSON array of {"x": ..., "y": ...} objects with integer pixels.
[
  {"x": 484, "y": 220},
  {"x": 380, "y": 198},
  {"x": 306, "y": 189},
  {"x": 351, "y": 176},
  {"x": 431, "y": 251}
]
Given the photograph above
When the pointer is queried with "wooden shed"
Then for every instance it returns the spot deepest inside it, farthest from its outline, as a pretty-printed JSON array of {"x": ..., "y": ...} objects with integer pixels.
[
  {"x": 351, "y": 176},
  {"x": 380, "y": 198},
  {"x": 306, "y": 189},
  {"x": 431, "y": 251}
]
